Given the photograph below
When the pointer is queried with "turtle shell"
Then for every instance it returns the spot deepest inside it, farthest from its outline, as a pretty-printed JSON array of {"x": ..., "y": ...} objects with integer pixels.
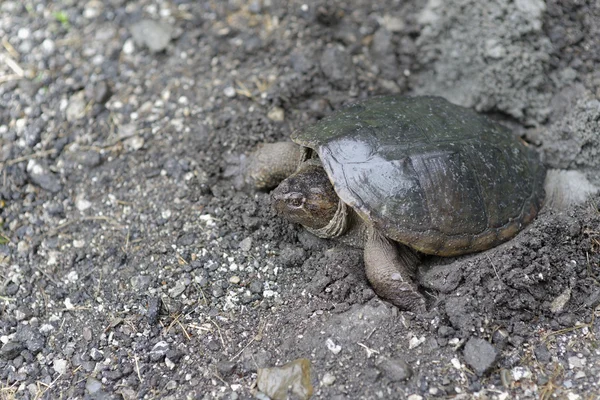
[{"x": 427, "y": 173}]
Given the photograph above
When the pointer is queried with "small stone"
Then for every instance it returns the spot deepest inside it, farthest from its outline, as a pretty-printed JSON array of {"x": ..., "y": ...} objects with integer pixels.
[
  {"x": 60, "y": 366},
  {"x": 276, "y": 114},
  {"x": 134, "y": 143},
  {"x": 542, "y": 354},
  {"x": 89, "y": 159},
  {"x": 414, "y": 397},
  {"x": 576, "y": 362},
  {"x": 217, "y": 291},
  {"x": 558, "y": 304},
  {"x": 41, "y": 176},
  {"x": 415, "y": 342},
  {"x": 23, "y": 247},
  {"x": 580, "y": 375},
  {"x": 174, "y": 355},
  {"x": 152, "y": 34},
  {"x": 33, "y": 340},
  {"x": 225, "y": 368},
  {"x": 256, "y": 287},
  {"x": 246, "y": 244},
  {"x": 480, "y": 355},
  {"x": 101, "y": 92},
  {"x": 229, "y": 91},
  {"x": 500, "y": 338},
  {"x": 54, "y": 209},
  {"x": 395, "y": 370},
  {"x": 334, "y": 348},
  {"x": 178, "y": 289},
  {"x": 92, "y": 385},
  {"x": 171, "y": 385},
  {"x": 235, "y": 280},
  {"x": 96, "y": 354},
  {"x": 328, "y": 379},
  {"x": 76, "y": 107},
  {"x": 520, "y": 373},
  {"x": 128, "y": 47},
  {"x": 153, "y": 310},
  {"x": 159, "y": 351},
  {"x": 11, "y": 350},
  {"x": 82, "y": 204},
  {"x": 290, "y": 379}
]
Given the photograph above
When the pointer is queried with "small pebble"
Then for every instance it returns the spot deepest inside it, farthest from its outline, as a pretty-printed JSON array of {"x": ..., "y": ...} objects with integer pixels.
[
  {"x": 246, "y": 244},
  {"x": 152, "y": 34},
  {"x": 276, "y": 114},
  {"x": 395, "y": 370},
  {"x": 328, "y": 379},
  {"x": 229, "y": 91},
  {"x": 60, "y": 366},
  {"x": 480, "y": 355},
  {"x": 334, "y": 348},
  {"x": 93, "y": 385},
  {"x": 576, "y": 362}
]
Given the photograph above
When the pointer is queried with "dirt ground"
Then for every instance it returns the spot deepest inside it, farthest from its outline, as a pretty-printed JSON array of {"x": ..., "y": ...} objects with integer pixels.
[{"x": 132, "y": 267}]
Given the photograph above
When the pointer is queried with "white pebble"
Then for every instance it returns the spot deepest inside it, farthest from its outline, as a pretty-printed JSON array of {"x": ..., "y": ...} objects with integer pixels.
[
  {"x": 60, "y": 366},
  {"x": 229, "y": 91},
  {"x": 334, "y": 348}
]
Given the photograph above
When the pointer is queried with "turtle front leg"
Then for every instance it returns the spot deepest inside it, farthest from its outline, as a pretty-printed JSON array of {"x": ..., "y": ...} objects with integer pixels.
[
  {"x": 271, "y": 163},
  {"x": 390, "y": 268}
]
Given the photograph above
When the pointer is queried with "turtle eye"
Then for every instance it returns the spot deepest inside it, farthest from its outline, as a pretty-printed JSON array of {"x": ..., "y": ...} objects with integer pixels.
[{"x": 295, "y": 200}]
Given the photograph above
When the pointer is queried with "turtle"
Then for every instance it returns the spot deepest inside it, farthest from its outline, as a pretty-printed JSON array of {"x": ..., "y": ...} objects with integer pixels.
[{"x": 402, "y": 177}]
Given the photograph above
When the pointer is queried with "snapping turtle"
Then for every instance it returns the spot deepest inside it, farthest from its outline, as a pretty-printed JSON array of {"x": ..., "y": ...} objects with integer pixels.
[{"x": 401, "y": 176}]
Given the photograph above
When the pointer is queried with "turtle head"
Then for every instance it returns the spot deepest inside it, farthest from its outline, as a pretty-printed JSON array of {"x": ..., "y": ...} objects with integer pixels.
[{"x": 306, "y": 197}]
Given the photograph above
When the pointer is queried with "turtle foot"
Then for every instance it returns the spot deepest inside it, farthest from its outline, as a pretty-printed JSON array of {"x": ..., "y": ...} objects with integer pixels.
[{"x": 390, "y": 268}]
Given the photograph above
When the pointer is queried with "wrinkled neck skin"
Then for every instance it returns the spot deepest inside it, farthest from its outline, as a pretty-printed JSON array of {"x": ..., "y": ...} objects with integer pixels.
[{"x": 307, "y": 197}]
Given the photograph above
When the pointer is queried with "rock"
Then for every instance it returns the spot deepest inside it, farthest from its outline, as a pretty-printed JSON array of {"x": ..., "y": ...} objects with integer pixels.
[
  {"x": 542, "y": 354},
  {"x": 159, "y": 351},
  {"x": 395, "y": 370},
  {"x": 246, "y": 244},
  {"x": 480, "y": 355},
  {"x": 99, "y": 92},
  {"x": 276, "y": 114},
  {"x": 229, "y": 92},
  {"x": 328, "y": 379},
  {"x": 11, "y": 350},
  {"x": 334, "y": 348},
  {"x": 500, "y": 338},
  {"x": 33, "y": 340},
  {"x": 93, "y": 385},
  {"x": 293, "y": 377},
  {"x": 256, "y": 287},
  {"x": 76, "y": 108},
  {"x": 576, "y": 362},
  {"x": 152, "y": 34},
  {"x": 60, "y": 366},
  {"x": 40, "y": 175},
  {"x": 89, "y": 159},
  {"x": 225, "y": 368}
]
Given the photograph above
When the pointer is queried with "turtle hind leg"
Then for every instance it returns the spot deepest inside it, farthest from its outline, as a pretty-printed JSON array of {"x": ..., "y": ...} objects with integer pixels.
[
  {"x": 271, "y": 163},
  {"x": 390, "y": 268}
]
